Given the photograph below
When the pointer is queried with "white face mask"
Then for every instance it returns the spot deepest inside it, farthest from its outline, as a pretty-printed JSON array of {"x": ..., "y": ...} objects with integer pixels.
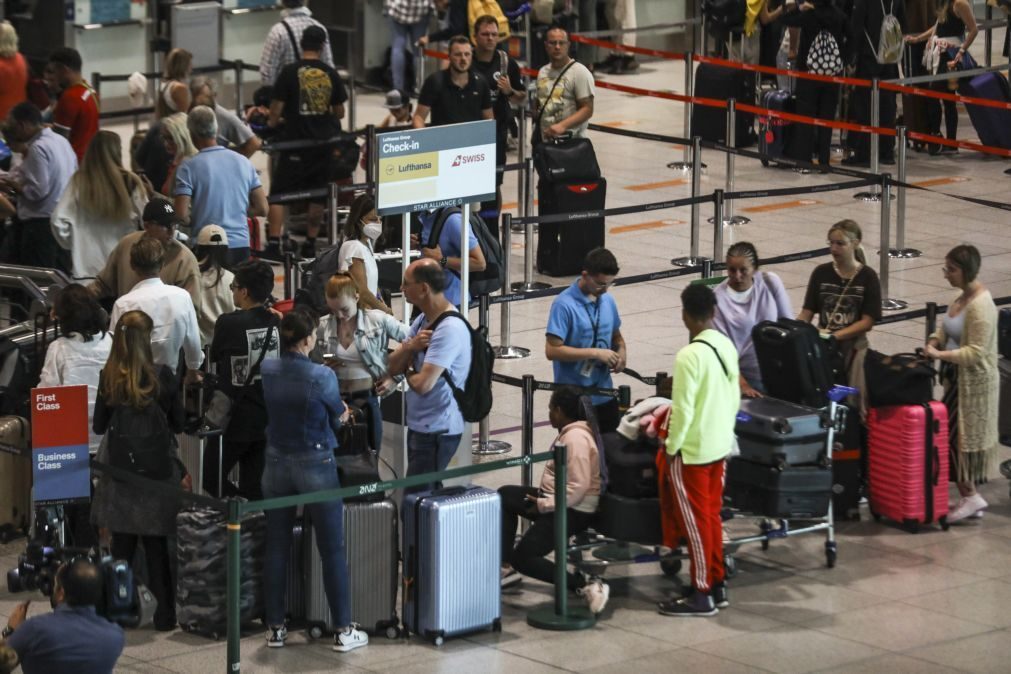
[{"x": 372, "y": 230}]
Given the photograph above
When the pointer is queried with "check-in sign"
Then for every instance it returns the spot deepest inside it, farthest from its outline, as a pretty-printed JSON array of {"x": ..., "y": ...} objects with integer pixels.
[
  {"x": 423, "y": 169},
  {"x": 61, "y": 471}
]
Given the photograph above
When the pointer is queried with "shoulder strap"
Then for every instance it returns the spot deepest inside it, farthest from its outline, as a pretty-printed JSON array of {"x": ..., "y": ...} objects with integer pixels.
[
  {"x": 444, "y": 315},
  {"x": 256, "y": 366},
  {"x": 440, "y": 222},
  {"x": 294, "y": 43},
  {"x": 540, "y": 113},
  {"x": 723, "y": 365},
  {"x": 503, "y": 62}
]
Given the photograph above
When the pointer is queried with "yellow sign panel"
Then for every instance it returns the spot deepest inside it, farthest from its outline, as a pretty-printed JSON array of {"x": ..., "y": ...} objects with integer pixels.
[{"x": 409, "y": 167}]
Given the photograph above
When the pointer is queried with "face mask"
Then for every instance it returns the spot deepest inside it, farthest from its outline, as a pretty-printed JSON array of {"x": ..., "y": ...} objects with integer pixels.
[{"x": 372, "y": 230}]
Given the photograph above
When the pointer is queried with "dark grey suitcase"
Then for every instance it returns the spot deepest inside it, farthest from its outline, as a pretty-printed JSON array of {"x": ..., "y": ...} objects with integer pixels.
[
  {"x": 779, "y": 433},
  {"x": 452, "y": 562},
  {"x": 790, "y": 492},
  {"x": 370, "y": 535},
  {"x": 630, "y": 519}
]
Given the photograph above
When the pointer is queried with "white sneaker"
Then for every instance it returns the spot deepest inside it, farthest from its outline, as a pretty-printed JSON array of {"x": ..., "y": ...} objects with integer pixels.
[
  {"x": 596, "y": 593},
  {"x": 967, "y": 507},
  {"x": 276, "y": 636},
  {"x": 350, "y": 639},
  {"x": 511, "y": 577}
]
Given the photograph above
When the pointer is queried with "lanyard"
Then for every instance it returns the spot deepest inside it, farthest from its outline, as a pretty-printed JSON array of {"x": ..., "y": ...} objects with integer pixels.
[{"x": 594, "y": 322}]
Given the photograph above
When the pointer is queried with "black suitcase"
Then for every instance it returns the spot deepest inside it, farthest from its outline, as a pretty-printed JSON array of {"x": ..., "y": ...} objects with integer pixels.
[
  {"x": 848, "y": 456},
  {"x": 774, "y": 132},
  {"x": 793, "y": 492},
  {"x": 797, "y": 365},
  {"x": 295, "y": 595},
  {"x": 722, "y": 84},
  {"x": 629, "y": 519},
  {"x": 562, "y": 246},
  {"x": 1004, "y": 406},
  {"x": 631, "y": 466},
  {"x": 1004, "y": 333},
  {"x": 780, "y": 433}
]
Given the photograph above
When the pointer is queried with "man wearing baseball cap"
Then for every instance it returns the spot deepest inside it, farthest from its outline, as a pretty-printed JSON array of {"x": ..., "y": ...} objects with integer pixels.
[{"x": 180, "y": 266}]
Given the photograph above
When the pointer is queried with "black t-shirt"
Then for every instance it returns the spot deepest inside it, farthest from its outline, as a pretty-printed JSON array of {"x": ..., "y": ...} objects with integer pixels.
[
  {"x": 238, "y": 340},
  {"x": 838, "y": 306},
  {"x": 310, "y": 89},
  {"x": 500, "y": 102},
  {"x": 449, "y": 103}
]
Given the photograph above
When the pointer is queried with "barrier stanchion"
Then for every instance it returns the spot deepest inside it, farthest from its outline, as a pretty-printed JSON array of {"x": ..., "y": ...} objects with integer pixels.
[
  {"x": 521, "y": 184},
  {"x": 332, "y": 200},
  {"x": 558, "y": 615},
  {"x": 728, "y": 205},
  {"x": 237, "y": 65},
  {"x": 527, "y": 433},
  {"x": 232, "y": 586},
  {"x": 707, "y": 268},
  {"x": 900, "y": 250},
  {"x": 687, "y": 163},
  {"x": 528, "y": 284},
  {"x": 887, "y": 303},
  {"x": 693, "y": 259},
  {"x": 352, "y": 99},
  {"x": 289, "y": 264},
  {"x": 930, "y": 321},
  {"x": 718, "y": 223},
  {"x": 465, "y": 259},
  {"x": 988, "y": 36},
  {"x": 485, "y": 446},
  {"x": 875, "y": 142},
  {"x": 373, "y": 163},
  {"x": 505, "y": 350}
]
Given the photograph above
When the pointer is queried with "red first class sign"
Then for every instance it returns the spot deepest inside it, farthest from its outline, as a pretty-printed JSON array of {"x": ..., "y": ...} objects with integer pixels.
[{"x": 59, "y": 416}]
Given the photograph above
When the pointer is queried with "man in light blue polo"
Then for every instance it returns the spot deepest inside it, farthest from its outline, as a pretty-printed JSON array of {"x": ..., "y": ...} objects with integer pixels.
[
  {"x": 446, "y": 250},
  {"x": 438, "y": 343},
  {"x": 583, "y": 335},
  {"x": 218, "y": 186}
]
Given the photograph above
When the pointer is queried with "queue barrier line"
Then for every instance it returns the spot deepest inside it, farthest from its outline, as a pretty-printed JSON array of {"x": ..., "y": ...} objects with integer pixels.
[{"x": 615, "y": 46}]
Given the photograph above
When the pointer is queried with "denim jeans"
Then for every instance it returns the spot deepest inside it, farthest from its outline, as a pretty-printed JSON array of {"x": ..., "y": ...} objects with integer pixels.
[
  {"x": 404, "y": 36},
  {"x": 428, "y": 452},
  {"x": 301, "y": 473}
]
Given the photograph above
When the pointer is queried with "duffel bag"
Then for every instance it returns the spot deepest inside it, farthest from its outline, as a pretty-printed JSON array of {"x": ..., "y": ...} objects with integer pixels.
[{"x": 898, "y": 379}]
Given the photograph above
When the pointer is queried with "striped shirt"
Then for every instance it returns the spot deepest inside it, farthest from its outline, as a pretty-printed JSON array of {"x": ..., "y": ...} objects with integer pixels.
[{"x": 278, "y": 50}]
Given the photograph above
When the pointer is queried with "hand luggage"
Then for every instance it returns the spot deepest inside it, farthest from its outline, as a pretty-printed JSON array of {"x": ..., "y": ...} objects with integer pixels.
[
  {"x": 631, "y": 466},
  {"x": 848, "y": 454},
  {"x": 908, "y": 464},
  {"x": 296, "y": 594},
  {"x": 370, "y": 535},
  {"x": 15, "y": 478},
  {"x": 992, "y": 124},
  {"x": 721, "y": 84},
  {"x": 899, "y": 379},
  {"x": 202, "y": 552},
  {"x": 1004, "y": 406},
  {"x": 630, "y": 519},
  {"x": 791, "y": 492},
  {"x": 562, "y": 246},
  {"x": 774, "y": 132},
  {"x": 796, "y": 363},
  {"x": 452, "y": 558},
  {"x": 1004, "y": 333},
  {"x": 780, "y": 433}
]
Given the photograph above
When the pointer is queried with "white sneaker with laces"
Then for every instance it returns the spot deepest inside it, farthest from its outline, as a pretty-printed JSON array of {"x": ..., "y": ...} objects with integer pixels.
[
  {"x": 596, "y": 593},
  {"x": 276, "y": 636},
  {"x": 350, "y": 639},
  {"x": 967, "y": 507}
]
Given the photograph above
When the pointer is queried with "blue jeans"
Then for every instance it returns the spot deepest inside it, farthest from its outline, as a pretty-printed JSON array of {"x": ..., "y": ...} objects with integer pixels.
[
  {"x": 285, "y": 475},
  {"x": 404, "y": 36},
  {"x": 428, "y": 452}
]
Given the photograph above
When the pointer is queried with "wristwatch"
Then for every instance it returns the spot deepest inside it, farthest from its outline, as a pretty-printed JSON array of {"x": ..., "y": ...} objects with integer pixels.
[
  {"x": 443, "y": 261},
  {"x": 7, "y": 631}
]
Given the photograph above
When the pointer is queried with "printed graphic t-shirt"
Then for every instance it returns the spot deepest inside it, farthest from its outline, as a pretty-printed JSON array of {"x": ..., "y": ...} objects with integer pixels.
[
  {"x": 837, "y": 305},
  {"x": 310, "y": 89},
  {"x": 576, "y": 84}
]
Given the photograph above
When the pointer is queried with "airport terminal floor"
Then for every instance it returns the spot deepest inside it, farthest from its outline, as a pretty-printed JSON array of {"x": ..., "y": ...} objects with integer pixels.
[{"x": 936, "y": 601}]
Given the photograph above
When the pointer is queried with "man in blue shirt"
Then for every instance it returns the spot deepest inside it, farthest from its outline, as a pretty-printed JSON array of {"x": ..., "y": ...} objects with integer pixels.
[
  {"x": 583, "y": 335},
  {"x": 218, "y": 186},
  {"x": 434, "y": 421},
  {"x": 73, "y": 637},
  {"x": 447, "y": 251}
]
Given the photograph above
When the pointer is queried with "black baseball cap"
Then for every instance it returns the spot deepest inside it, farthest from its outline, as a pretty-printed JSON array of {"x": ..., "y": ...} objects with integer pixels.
[{"x": 161, "y": 212}]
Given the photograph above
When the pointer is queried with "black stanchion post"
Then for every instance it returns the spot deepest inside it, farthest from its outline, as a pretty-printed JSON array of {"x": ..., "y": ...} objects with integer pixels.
[
  {"x": 372, "y": 164},
  {"x": 505, "y": 350},
  {"x": 352, "y": 97},
  {"x": 96, "y": 85},
  {"x": 238, "y": 85},
  {"x": 660, "y": 378},
  {"x": 930, "y": 320},
  {"x": 887, "y": 302},
  {"x": 718, "y": 223},
  {"x": 900, "y": 250},
  {"x": 527, "y": 433},
  {"x": 707, "y": 268},
  {"x": 624, "y": 397},
  {"x": 558, "y": 616},
  {"x": 289, "y": 263},
  {"x": 988, "y": 35},
  {"x": 693, "y": 259},
  {"x": 333, "y": 197},
  {"x": 233, "y": 580},
  {"x": 485, "y": 446}
]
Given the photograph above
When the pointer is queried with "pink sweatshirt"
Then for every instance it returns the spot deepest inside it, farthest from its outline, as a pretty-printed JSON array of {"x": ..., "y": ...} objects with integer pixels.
[{"x": 583, "y": 485}]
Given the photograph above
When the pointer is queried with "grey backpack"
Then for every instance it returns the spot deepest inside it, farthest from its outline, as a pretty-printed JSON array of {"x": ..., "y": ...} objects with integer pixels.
[{"x": 890, "y": 38}]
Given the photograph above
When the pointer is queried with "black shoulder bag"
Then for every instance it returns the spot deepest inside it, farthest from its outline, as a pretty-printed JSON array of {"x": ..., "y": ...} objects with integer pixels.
[{"x": 563, "y": 160}]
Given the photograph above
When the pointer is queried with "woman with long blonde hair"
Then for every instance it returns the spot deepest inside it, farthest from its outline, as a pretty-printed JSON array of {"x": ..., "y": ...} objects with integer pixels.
[
  {"x": 133, "y": 392},
  {"x": 174, "y": 93},
  {"x": 102, "y": 203},
  {"x": 179, "y": 145}
]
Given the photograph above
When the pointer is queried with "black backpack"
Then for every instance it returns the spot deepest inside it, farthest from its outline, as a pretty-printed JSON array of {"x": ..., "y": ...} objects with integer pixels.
[
  {"x": 139, "y": 440},
  {"x": 475, "y": 398},
  {"x": 725, "y": 16},
  {"x": 315, "y": 277},
  {"x": 493, "y": 277}
]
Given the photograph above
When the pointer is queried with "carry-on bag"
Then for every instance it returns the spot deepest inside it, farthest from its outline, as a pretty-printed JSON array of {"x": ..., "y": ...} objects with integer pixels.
[
  {"x": 295, "y": 594},
  {"x": 780, "y": 433},
  {"x": 631, "y": 466},
  {"x": 898, "y": 379},
  {"x": 768, "y": 491},
  {"x": 992, "y": 124},
  {"x": 908, "y": 464},
  {"x": 848, "y": 456},
  {"x": 630, "y": 519},
  {"x": 723, "y": 83},
  {"x": 797, "y": 364},
  {"x": 370, "y": 535},
  {"x": 452, "y": 558},
  {"x": 774, "y": 132},
  {"x": 202, "y": 553},
  {"x": 1004, "y": 406},
  {"x": 562, "y": 246}
]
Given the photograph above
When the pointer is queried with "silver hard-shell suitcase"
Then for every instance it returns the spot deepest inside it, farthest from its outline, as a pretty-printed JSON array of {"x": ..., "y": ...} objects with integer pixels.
[
  {"x": 452, "y": 557},
  {"x": 370, "y": 535}
]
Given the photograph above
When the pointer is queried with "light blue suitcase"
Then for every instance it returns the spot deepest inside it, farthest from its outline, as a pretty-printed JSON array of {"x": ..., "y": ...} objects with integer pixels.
[{"x": 452, "y": 556}]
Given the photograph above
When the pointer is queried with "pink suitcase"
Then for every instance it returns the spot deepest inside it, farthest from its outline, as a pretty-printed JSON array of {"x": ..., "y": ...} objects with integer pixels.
[{"x": 908, "y": 464}]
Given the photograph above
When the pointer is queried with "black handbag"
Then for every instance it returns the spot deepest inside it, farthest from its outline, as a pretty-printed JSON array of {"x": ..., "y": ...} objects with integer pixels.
[
  {"x": 563, "y": 160},
  {"x": 899, "y": 379}
]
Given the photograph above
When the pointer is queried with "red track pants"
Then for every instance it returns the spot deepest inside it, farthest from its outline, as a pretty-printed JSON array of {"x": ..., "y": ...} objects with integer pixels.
[{"x": 698, "y": 491}]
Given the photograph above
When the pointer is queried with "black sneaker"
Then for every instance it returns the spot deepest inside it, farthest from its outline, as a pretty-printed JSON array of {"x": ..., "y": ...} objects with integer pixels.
[
  {"x": 272, "y": 252},
  {"x": 307, "y": 250},
  {"x": 719, "y": 595},
  {"x": 696, "y": 605}
]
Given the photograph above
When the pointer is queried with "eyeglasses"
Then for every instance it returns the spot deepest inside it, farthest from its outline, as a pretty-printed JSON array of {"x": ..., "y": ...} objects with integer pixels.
[{"x": 597, "y": 285}]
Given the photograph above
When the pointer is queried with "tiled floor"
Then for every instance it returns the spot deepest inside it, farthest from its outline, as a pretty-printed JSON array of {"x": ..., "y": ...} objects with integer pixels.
[{"x": 933, "y": 602}]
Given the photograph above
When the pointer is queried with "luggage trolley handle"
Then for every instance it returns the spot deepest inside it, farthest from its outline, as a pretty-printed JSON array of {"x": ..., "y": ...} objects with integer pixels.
[{"x": 836, "y": 395}]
